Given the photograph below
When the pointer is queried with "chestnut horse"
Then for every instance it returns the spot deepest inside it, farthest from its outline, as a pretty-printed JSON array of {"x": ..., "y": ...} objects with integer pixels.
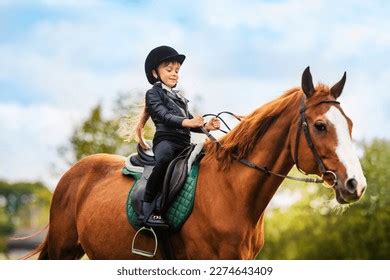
[{"x": 88, "y": 216}]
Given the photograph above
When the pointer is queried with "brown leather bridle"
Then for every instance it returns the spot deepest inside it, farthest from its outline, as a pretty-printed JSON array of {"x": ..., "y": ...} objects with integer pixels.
[{"x": 302, "y": 125}]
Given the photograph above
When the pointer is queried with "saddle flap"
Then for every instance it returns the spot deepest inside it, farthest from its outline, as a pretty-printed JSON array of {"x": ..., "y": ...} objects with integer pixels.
[
  {"x": 175, "y": 177},
  {"x": 137, "y": 194},
  {"x": 174, "y": 180},
  {"x": 179, "y": 210}
]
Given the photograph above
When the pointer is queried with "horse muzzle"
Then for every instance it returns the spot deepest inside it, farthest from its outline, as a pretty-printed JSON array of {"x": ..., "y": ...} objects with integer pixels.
[{"x": 350, "y": 191}]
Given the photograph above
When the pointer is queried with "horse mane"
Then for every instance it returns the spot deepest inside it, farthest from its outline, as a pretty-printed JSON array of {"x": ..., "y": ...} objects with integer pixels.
[{"x": 238, "y": 143}]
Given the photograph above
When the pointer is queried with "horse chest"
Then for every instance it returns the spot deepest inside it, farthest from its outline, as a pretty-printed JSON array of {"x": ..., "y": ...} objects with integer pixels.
[{"x": 236, "y": 244}]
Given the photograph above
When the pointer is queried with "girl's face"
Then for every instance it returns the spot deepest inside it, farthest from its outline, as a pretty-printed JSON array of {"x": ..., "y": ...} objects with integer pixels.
[{"x": 169, "y": 73}]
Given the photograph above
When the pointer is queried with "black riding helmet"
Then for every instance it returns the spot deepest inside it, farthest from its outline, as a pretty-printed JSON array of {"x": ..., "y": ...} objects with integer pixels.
[{"x": 159, "y": 55}]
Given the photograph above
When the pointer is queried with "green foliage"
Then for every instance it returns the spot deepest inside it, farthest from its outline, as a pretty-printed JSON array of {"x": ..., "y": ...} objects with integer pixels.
[
  {"x": 313, "y": 229},
  {"x": 98, "y": 134},
  {"x": 95, "y": 135},
  {"x": 21, "y": 205}
]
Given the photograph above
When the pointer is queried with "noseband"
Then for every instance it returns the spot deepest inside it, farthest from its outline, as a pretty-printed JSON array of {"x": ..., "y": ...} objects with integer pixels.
[{"x": 303, "y": 125}]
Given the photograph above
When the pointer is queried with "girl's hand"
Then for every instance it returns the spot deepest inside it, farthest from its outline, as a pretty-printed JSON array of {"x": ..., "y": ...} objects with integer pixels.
[
  {"x": 213, "y": 124},
  {"x": 140, "y": 132},
  {"x": 193, "y": 123}
]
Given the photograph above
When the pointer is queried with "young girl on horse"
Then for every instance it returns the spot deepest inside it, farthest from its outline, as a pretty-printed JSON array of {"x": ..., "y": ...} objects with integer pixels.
[{"x": 169, "y": 111}]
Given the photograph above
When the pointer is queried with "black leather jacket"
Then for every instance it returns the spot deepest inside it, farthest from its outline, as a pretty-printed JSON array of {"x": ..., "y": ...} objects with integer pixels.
[{"x": 168, "y": 111}]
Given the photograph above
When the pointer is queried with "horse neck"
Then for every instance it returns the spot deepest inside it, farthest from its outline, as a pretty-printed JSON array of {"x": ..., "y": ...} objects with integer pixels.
[
  {"x": 252, "y": 189},
  {"x": 272, "y": 151}
]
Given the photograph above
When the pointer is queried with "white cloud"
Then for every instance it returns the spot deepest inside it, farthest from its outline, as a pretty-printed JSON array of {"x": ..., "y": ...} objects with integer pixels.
[
  {"x": 30, "y": 137},
  {"x": 273, "y": 15},
  {"x": 59, "y": 82},
  {"x": 366, "y": 102},
  {"x": 71, "y": 3},
  {"x": 52, "y": 3}
]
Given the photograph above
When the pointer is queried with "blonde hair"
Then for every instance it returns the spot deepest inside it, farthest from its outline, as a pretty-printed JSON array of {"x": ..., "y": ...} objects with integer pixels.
[{"x": 131, "y": 128}]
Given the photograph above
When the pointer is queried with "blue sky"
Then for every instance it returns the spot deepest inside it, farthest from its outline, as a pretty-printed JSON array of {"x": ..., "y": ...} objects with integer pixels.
[{"x": 60, "y": 58}]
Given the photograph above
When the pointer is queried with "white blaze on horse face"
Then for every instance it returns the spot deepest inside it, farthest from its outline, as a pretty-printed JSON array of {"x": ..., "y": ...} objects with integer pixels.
[{"x": 344, "y": 150}]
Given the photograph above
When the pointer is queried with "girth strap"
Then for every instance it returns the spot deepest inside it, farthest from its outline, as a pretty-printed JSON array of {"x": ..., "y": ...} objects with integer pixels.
[{"x": 167, "y": 250}]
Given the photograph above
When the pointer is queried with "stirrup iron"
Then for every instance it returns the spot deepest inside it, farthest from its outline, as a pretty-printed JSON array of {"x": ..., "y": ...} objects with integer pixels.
[{"x": 141, "y": 252}]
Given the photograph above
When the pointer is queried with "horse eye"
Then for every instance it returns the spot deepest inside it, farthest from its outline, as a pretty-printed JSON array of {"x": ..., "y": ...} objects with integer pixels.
[{"x": 320, "y": 126}]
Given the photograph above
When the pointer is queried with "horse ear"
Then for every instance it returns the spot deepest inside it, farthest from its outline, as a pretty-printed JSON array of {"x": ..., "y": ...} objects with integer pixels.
[
  {"x": 307, "y": 83},
  {"x": 337, "y": 89}
]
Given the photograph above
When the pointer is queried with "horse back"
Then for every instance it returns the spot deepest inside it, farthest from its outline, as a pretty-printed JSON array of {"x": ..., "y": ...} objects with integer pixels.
[
  {"x": 93, "y": 179},
  {"x": 84, "y": 175}
]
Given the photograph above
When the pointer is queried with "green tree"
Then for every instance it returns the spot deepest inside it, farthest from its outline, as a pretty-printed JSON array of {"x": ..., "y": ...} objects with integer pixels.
[
  {"x": 95, "y": 135},
  {"x": 98, "y": 134},
  {"x": 22, "y": 204},
  {"x": 313, "y": 229}
]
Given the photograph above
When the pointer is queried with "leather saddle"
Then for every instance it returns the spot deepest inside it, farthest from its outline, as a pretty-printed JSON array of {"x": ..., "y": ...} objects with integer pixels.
[{"x": 173, "y": 181}]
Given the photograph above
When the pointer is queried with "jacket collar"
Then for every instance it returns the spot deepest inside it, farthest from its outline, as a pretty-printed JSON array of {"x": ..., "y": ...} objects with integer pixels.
[{"x": 172, "y": 93}]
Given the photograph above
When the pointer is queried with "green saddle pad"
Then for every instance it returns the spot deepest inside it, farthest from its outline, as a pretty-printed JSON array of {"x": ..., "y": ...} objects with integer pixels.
[{"x": 180, "y": 208}]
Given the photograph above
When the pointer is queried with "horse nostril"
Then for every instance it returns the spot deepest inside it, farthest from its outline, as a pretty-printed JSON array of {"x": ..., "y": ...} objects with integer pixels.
[{"x": 351, "y": 185}]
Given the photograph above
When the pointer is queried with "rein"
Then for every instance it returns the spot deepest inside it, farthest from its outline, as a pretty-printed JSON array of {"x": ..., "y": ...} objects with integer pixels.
[{"x": 303, "y": 125}]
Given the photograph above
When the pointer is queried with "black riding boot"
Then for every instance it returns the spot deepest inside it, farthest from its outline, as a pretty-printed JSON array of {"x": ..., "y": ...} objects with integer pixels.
[{"x": 150, "y": 218}]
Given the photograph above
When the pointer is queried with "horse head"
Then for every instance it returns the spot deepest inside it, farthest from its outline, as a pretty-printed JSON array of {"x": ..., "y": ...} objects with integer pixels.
[{"x": 325, "y": 146}]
